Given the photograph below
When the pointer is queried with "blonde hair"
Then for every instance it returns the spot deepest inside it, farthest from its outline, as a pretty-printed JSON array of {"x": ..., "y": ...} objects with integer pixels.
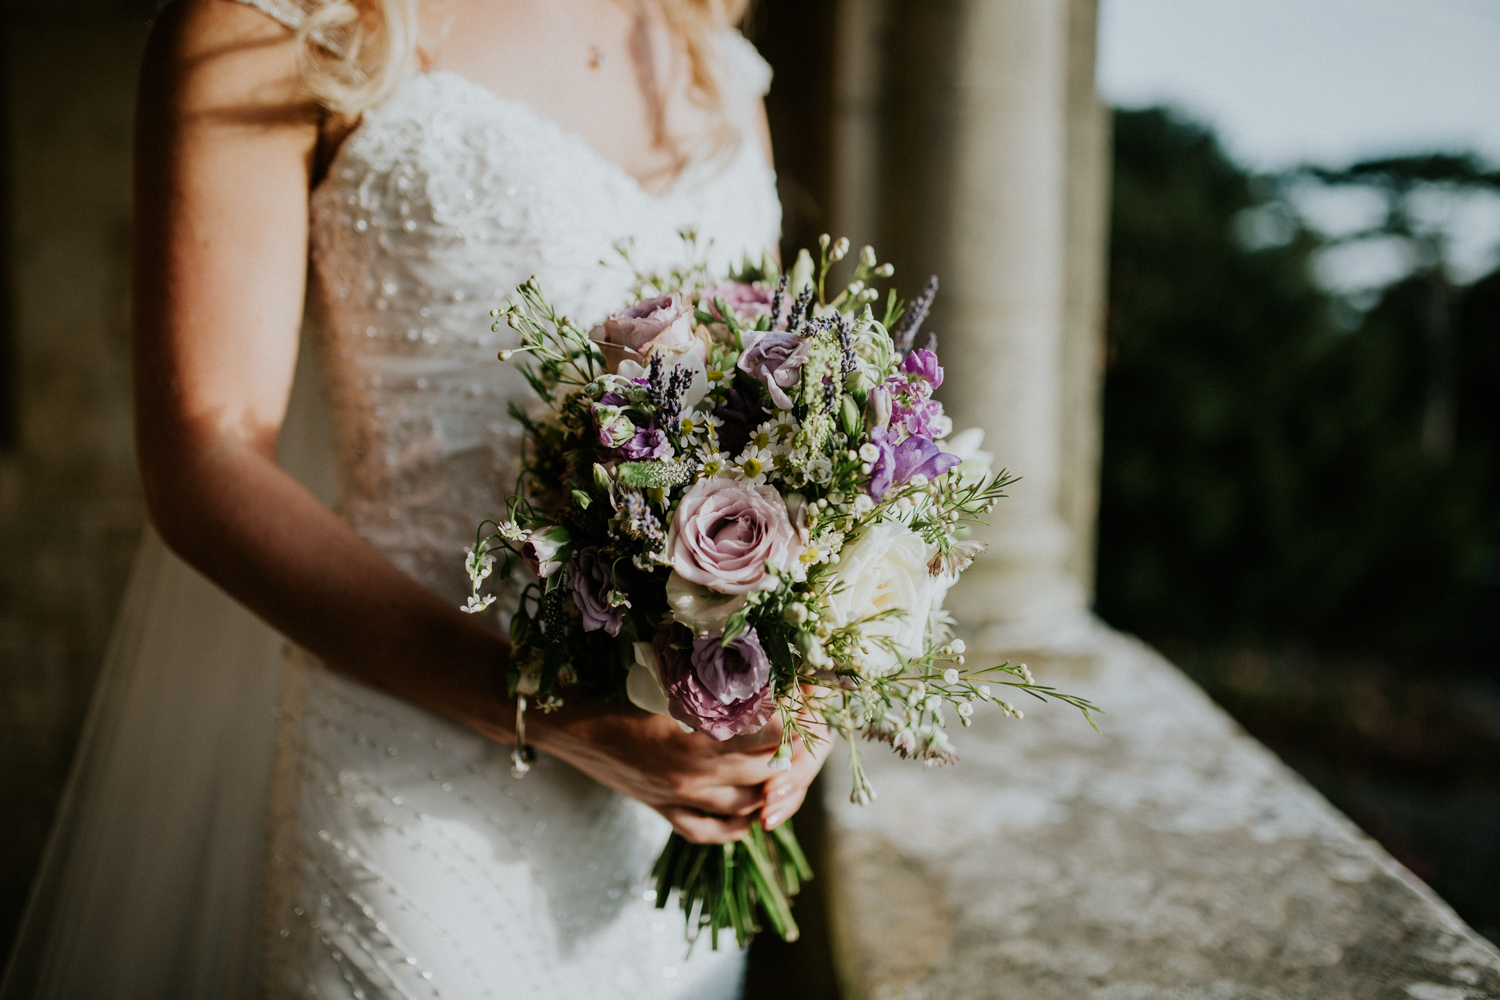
[{"x": 354, "y": 52}]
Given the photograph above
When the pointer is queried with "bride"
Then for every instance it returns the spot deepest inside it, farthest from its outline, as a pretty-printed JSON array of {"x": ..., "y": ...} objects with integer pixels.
[{"x": 334, "y": 816}]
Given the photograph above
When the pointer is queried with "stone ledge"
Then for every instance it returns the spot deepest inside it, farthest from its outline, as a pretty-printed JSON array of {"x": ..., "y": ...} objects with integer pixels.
[{"x": 1171, "y": 857}]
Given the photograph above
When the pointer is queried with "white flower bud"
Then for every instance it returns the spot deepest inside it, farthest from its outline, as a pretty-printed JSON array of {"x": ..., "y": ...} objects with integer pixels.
[
  {"x": 984, "y": 691},
  {"x": 868, "y": 452},
  {"x": 950, "y": 676},
  {"x": 840, "y": 249},
  {"x": 885, "y": 271},
  {"x": 957, "y": 646},
  {"x": 965, "y": 709},
  {"x": 867, "y": 255}
]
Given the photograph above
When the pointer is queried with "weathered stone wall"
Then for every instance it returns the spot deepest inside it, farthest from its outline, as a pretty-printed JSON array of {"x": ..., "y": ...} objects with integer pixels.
[{"x": 70, "y": 510}]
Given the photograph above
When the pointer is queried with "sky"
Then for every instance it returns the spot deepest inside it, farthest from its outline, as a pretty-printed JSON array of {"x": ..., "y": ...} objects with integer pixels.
[{"x": 1328, "y": 82}]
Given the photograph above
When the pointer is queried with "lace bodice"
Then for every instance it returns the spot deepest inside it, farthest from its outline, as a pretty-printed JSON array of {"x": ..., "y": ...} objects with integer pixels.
[{"x": 435, "y": 208}]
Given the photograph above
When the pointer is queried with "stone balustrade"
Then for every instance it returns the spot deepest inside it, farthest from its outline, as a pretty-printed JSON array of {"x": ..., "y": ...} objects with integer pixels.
[{"x": 1170, "y": 857}]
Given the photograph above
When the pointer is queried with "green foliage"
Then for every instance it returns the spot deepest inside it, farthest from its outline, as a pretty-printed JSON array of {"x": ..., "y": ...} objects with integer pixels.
[{"x": 1264, "y": 476}]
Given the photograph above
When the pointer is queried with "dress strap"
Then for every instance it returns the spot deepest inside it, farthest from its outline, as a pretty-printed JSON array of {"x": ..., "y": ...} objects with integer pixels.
[{"x": 288, "y": 12}]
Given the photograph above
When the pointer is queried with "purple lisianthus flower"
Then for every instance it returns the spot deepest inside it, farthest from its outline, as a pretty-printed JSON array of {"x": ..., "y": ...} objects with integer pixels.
[
  {"x": 720, "y": 691},
  {"x": 613, "y": 428},
  {"x": 612, "y": 398},
  {"x": 648, "y": 443},
  {"x": 923, "y": 364},
  {"x": 897, "y": 464},
  {"x": 775, "y": 360},
  {"x": 592, "y": 584}
]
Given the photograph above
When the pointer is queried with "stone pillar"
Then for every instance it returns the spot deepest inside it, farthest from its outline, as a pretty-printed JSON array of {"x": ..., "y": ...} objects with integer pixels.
[
  {"x": 970, "y": 142},
  {"x": 1005, "y": 288},
  {"x": 1085, "y": 293}
]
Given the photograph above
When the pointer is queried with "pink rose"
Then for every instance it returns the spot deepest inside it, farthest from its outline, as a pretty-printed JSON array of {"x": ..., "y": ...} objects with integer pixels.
[
  {"x": 662, "y": 323},
  {"x": 746, "y": 301},
  {"x": 724, "y": 532}
]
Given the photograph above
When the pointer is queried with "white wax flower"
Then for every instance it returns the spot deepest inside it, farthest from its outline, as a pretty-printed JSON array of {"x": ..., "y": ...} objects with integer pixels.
[{"x": 884, "y": 569}]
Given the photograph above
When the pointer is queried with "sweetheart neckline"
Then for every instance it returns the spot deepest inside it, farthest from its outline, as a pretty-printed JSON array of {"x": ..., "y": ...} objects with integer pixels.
[{"x": 556, "y": 128}]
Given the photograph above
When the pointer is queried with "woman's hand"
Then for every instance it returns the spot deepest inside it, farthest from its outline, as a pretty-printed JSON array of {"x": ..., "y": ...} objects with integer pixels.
[
  {"x": 709, "y": 791},
  {"x": 786, "y": 792}
]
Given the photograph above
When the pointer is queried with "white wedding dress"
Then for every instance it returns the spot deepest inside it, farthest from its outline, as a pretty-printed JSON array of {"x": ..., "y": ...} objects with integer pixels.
[{"x": 404, "y": 859}]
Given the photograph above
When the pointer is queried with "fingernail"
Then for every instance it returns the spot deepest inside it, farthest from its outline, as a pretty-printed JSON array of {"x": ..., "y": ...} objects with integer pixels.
[{"x": 773, "y": 821}]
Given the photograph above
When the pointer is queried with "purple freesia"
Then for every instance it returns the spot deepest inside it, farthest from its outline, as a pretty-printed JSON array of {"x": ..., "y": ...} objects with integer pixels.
[
  {"x": 775, "y": 360},
  {"x": 696, "y": 694},
  {"x": 897, "y": 464},
  {"x": 918, "y": 416},
  {"x": 592, "y": 584},
  {"x": 647, "y": 444},
  {"x": 923, "y": 364}
]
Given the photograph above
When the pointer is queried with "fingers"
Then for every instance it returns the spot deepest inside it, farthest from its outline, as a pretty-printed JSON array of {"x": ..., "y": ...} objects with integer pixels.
[
  {"x": 724, "y": 800},
  {"x": 701, "y": 829},
  {"x": 786, "y": 792},
  {"x": 763, "y": 742},
  {"x": 782, "y": 805}
]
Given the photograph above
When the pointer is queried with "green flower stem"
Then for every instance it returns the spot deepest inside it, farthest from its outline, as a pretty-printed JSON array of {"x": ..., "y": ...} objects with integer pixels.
[{"x": 730, "y": 886}]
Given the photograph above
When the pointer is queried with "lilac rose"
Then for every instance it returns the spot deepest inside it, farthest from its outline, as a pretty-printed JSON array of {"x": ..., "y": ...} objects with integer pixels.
[
  {"x": 592, "y": 584},
  {"x": 897, "y": 464},
  {"x": 746, "y": 301},
  {"x": 721, "y": 691},
  {"x": 665, "y": 322},
  {"x": 647, "y": 444},
  {"x": 724, "y": 533},
  {"x": 775, "y": 360}
]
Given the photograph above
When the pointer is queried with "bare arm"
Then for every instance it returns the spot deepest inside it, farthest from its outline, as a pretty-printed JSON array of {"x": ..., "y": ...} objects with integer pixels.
[{"x": 225, "y": 151}]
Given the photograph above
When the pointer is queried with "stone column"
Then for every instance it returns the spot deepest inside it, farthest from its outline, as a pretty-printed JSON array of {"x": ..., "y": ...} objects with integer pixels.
[
  {"x": 970, "y": 142},
  {"x": 1005, "y": 289}
]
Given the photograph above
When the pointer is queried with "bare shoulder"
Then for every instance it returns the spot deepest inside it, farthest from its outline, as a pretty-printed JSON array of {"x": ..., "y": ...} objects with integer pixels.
[{"x": 221, "y": 62}]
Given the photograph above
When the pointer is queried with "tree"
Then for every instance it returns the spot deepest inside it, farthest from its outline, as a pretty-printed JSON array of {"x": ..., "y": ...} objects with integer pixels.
[{"x": 1265, "y": 475}]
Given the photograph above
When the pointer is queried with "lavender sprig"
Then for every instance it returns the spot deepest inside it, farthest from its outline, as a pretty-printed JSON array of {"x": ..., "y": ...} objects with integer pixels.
[{"x": 904, "y": 333}]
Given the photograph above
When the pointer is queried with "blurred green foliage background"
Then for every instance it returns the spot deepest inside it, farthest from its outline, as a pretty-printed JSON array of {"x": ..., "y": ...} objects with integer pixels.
[{"x": 1301, "y": 489}]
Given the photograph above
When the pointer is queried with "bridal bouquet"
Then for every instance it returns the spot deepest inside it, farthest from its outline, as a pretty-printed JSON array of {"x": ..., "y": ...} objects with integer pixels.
[{"x": 740, "y": 502}]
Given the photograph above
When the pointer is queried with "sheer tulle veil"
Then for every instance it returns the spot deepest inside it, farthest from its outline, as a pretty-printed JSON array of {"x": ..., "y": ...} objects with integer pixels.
[{"x": 153, "y": 872}]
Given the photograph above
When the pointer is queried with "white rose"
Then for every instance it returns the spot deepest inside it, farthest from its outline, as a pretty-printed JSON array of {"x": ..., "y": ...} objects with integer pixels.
[{"x": 884, "y": 569}]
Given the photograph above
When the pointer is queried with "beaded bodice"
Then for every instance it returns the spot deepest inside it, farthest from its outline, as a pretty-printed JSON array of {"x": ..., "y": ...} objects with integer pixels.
[{"x": 443, "y": 200}]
